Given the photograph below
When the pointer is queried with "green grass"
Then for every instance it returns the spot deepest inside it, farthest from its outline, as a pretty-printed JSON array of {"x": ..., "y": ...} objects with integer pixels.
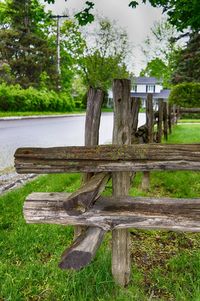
[
  {"x": 13, "y": 114},
  {"x": 165, "y": 265},
  {"x": 189, "y": 121}
]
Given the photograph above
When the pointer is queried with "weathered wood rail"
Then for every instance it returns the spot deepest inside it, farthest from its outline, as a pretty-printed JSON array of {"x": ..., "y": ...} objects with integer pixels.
[
  {"x": 111, "y": 213},
  {"x": 109, "y": 158}
]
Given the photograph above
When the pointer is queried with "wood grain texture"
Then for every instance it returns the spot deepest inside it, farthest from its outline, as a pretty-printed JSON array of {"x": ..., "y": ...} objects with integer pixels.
[
  {"x": 82, "y": 199},
  {"x": 121, "y": 262},
  {"x": 93, "y": 116},
  {"x": 83, "y": 249},
  {"x": 107, "y": 158},
  {"x": 165, "y": 121},
  {"x": 160, "y": 121},
  {"x": 122, "y": 212}
]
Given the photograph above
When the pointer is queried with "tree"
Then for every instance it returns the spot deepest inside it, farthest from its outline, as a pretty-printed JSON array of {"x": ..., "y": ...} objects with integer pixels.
[
  {"x": 162, "y": 52},
  {"x": 105, "y": 55},
  {"x": 187, "y": 67},
  {"x": 183, "y": 14},
  {"x": 24, "y": 45},
  {"x": 157, "y": 68}
]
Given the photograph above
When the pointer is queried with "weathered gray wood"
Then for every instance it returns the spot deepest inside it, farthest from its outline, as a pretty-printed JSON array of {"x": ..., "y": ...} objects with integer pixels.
[
  {"x": 108, "y": 158},
  {"x": 93, "y": 115},
  {"x": 165, "y": 121},
  {"x": 174, "y": 114},
  {"x": 123, "y": 212},
  {"x": 150, "y": 117},
  {"x": 150, "y": 130},
  {"x": 169, "y": 114},
  {"x": 83, "y": 249},
  {"x": 121, "y": 262},
  {"x": 135, "y": 108},
  {"x": 92, "y": 125},
  {"x": 160, "y": 121},
  {"x": 189, "y": 110},
  {"x": 82, "y": 199}
]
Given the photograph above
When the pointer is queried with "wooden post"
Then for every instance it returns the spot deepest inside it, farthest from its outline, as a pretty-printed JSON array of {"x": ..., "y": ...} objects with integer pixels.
[
  {"x": 150, "y": 129},
  {"x": 174, "y": 115},
  {"x": 135, "y": 107},
  {"x": 169, "y": 109},
  {"x": 160, "y": 120},
  {"x": 93, "y": 116},
  {"x": 165, "y": 120},
  {"x": 92, "y": 124},
  {"x": 121, "y": 180}
]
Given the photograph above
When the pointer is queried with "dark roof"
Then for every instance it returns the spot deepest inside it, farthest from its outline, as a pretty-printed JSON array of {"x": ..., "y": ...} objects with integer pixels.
[
  {"x": 147, "y": 80},
  {"x": 164, "y": 94}
]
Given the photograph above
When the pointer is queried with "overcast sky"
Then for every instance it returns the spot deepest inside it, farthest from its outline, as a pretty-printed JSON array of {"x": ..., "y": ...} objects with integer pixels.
[{"x": 137, "y": 22}]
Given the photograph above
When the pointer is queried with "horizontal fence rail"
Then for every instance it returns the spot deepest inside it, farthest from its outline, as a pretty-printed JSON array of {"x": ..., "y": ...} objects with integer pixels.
[{"x": 111, "y": 158}]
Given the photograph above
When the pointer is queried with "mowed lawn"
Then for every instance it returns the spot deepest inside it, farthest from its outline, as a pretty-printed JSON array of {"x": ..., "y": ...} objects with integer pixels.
[{"x": 165, "y": 265}]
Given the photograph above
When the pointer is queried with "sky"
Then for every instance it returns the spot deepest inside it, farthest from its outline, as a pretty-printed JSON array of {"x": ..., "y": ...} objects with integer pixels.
[{"x": 137, "y": 22}]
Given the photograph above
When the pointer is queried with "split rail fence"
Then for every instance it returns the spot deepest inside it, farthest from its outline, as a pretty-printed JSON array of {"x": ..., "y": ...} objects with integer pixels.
[{"x": 96, "y": 214}]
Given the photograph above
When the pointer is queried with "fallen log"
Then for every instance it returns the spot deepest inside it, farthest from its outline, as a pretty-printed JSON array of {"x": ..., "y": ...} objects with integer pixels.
[
  {"x": 79, "y": 201},
  {"x": 108, "y": 158},
  {"x": 83, "y": 249},
  {"x": 111, "y": 213}
]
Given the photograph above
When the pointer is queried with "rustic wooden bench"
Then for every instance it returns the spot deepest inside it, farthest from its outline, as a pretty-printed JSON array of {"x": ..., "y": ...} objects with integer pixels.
[{"x": 87, "y": 207}]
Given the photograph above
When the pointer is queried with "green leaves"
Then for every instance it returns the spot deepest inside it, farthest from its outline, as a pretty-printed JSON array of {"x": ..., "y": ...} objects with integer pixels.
[
  {"x": 84, "y": 17},
  {"x": 133, "y": 4}
]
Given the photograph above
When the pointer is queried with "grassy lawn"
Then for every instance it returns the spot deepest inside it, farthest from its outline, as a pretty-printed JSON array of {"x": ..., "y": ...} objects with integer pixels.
[
  {"x": 165, "y": 265},
  {"x": 189, "y": 121},
  {"x": 15, "y": 114}
]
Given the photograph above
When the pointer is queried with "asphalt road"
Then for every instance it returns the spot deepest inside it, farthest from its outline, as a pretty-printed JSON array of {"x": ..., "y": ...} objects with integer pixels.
[{"x": 62, "y": 131}]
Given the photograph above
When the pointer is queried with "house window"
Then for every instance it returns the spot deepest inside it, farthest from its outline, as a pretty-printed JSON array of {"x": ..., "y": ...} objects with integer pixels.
[{"x": 150, "y": 88}]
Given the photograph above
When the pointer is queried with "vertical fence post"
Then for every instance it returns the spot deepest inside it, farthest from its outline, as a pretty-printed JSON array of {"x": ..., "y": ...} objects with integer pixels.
[
  {"x": 160, "y": 120},
  {"x": 135, "y": 107},
  {"x": 174, "y": 114},
  {"x": 165, "y": 120},
  {"x": 150, "y": 133},
  {"x": 169, "y": 109},
  {"x": 121, "y": 180},
  {"x": 92, "y": 125}
]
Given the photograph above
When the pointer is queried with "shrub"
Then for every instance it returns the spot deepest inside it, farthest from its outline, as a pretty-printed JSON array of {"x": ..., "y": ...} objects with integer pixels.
[
  {"x": 186, "y": 95},
  {"x": 14, "y": 98}
]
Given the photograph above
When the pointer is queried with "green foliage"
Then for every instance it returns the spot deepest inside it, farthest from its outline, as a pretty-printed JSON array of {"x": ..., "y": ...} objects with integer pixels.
[
  {"x": 162, "y": 52},
  {"x": 187, "y": 67},
  {"x": 105, "y": 55},
  {"x": 183, "y": 14},
  {"x": 14, "y": 98},
  {"x": 84, "y": 17},
  {"x": 186, "y": 95},
  {"x": 24, "y": 43},
  {"x": 157, "y": 68}
]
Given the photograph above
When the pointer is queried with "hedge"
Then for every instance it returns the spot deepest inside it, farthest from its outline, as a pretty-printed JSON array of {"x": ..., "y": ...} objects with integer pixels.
[
  {"x": 186, "y": 95},
  {"x": 14, "y": 98}
]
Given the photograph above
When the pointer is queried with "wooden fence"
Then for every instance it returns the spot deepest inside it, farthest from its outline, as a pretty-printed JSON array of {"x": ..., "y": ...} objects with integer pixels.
[{"x": 86, "y": 207}]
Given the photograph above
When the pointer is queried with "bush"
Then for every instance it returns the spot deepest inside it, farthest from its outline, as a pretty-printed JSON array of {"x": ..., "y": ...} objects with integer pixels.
[
  {"x": 14, "y": 98},
  {"x": 186, "y": 95}
]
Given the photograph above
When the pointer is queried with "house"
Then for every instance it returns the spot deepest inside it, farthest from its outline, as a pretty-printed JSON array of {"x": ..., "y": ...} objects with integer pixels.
[{"x": 142, "y": 86}]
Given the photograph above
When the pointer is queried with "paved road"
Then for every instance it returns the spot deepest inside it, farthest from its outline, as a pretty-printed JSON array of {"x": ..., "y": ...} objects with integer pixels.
[{"x": 63, "y": 131}]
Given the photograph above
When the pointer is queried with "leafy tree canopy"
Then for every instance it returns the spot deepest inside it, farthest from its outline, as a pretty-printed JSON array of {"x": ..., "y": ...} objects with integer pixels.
[
  {"x": 185, "y": 95},
  {"x": 183, "y": 14}
]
